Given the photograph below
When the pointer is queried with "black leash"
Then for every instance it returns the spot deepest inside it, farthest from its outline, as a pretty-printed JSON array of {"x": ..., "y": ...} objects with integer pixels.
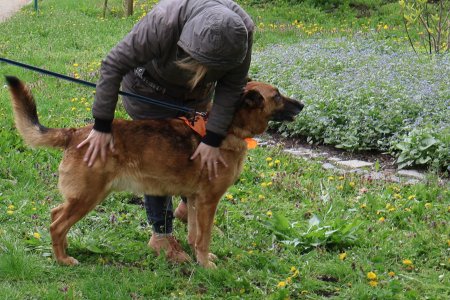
[{"x": 147, "y": 100}]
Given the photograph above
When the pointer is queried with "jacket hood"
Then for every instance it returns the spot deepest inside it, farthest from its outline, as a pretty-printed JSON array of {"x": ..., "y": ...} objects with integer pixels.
[{"x": 216, "y": 37}]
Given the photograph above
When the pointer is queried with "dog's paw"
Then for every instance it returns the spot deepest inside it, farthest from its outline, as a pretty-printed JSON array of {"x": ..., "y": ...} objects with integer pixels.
[
  {"x": 68, "y": 261},
  {"x": 206, "y": 262},
  {"x": 209, "y": 265},
  {"x": 212, "y": 256}
]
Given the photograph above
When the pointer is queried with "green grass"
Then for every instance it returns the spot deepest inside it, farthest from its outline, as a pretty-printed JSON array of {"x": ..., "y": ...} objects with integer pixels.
[{"x": 281, "y": 231}]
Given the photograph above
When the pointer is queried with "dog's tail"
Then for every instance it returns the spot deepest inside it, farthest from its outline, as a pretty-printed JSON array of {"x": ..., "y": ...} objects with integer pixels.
[{"x": 27, "y": 121}]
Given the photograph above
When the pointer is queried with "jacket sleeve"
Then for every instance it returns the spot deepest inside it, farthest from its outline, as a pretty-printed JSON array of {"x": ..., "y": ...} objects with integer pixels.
[
  {"x": 227, "y": 95},
  {"x": 141, "y": 45}
]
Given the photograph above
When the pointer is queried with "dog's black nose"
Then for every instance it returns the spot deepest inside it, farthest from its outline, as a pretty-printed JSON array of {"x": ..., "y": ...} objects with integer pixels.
[{"x": 300, "y": 105}]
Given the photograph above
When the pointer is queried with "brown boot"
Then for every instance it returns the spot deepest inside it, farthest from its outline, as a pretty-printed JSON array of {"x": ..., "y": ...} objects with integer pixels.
[
  {"x": 170, "y": 246},
  {"x": 181, "y": 212}
]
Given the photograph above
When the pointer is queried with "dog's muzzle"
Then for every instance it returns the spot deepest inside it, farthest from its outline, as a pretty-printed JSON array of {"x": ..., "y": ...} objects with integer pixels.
[{"x": 289, "y": 111}]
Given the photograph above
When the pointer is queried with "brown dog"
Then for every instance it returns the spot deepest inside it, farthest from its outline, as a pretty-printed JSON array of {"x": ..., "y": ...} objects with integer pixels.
[{"x": 150, "y": 157}]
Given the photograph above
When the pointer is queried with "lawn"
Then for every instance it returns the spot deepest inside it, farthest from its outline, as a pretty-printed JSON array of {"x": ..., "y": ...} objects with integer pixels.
[{"x": 288, "y": 229}]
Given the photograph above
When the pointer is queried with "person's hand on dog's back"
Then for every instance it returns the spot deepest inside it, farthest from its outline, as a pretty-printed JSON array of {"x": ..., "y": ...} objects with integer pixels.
[
  {"x": 211, "y": 157},
  {"x": 98, "y": 142}
]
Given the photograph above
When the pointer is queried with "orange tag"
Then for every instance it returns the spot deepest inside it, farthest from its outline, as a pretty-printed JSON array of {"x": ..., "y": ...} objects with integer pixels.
[
  {"x": 199, "y": 125},
  {"x": 251, "y": 143}
]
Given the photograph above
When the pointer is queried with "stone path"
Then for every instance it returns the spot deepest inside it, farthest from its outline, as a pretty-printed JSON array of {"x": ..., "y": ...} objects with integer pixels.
[
  {"x": 343, "y": 162},
  {"x": 9, "y": 7}
]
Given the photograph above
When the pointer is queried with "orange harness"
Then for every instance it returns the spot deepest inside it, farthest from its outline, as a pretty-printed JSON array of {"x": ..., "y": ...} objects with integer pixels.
[{"x": 199, "y": 126}]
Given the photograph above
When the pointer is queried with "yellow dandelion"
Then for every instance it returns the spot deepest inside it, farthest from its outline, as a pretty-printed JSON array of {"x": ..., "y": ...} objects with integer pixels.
[
  {"x": 269, "y": 213},
  {"x": 373, "y": 283},
  {"x": 289, "y": 280},
  {"x": 75, "y": 65},
  {"x": 411, "y": 197},
  {"x": 340, "y": 187},
  {"x": 363, "y": 205},
  {"x": 407, "y": 262},
  {"x": 281, "y": 284},
  {"x": 330, "y": 178},
  {"x": 37, "y": 235},
  {"x": 352, "y": 184},
  {"x": 371, "y": 276},
  {"x": 448, "y": 243},
  {"x": 293, "y": 269},
  {"x": 342, "y": 256},
  {"x": 229, "y": 196},
  {"x": 270, "y": 164},
  {"x": 34, "y": 208},
  {"x": 381, "y": 220},
  {"x": 296, "y": 273},
  {"x": 269, "y": 159},
  {"x": 428, "y": 205},
  {"x": 269, "y": 183},
  {"x": 391, "y": 274},
  {"x": 264, "y": 184},
  {"x": 242, "y": 291},
  {"x": 9, "y": 212},
  {"x": 261, "y": 197},
  {"x": 277, "y": 162},
  {"x": 11, "y": 207},
  {"x": 397, "y": 196}
]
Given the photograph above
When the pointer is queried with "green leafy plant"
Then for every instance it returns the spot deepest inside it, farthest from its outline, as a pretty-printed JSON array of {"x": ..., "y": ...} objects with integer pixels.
[
  {"x": 336, "y": 232},
  {"x": 424, "y": 147},
  {"x": 431, "y": 20}
]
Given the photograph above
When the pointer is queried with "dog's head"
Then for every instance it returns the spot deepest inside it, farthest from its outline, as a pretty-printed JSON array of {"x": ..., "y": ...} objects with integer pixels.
[{"x": 260, "y": 104}]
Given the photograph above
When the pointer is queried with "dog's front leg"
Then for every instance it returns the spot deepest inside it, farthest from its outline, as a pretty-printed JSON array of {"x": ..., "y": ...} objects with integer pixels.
[
  {"x": 192, "y": 222},
  {"x": 205, "y": 212}
]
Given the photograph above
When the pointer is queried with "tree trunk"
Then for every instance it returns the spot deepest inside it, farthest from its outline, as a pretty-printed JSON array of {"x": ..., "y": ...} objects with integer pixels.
[{"x": 129, "y": 7}]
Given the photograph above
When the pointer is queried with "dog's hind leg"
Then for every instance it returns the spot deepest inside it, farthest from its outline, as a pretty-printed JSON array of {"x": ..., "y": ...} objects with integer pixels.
[
  {"x": 66, "y": 216},
  {"x": 55, "y": 215}
]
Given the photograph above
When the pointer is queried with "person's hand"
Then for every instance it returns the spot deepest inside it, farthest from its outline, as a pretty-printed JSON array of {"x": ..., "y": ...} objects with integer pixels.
[
  {"x": 211, "y": 157},
  {"x": 98, "y": 142}
]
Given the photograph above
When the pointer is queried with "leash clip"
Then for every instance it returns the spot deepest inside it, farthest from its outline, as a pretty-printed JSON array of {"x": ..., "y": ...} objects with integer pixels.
[{"x": 196, "y": 114}]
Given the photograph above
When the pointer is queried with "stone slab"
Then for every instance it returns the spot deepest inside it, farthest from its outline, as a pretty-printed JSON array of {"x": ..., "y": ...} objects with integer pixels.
[
  {"x": 411, "y": 174},
  {"x": 354, "y": 164}
]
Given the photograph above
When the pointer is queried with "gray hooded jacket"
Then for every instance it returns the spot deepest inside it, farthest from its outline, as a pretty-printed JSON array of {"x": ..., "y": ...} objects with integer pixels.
[{"x": 216, "y": 33}]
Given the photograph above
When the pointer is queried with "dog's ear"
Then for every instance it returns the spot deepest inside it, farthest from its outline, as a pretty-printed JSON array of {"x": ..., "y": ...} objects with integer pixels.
[{"x": 253, "y": 99}]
